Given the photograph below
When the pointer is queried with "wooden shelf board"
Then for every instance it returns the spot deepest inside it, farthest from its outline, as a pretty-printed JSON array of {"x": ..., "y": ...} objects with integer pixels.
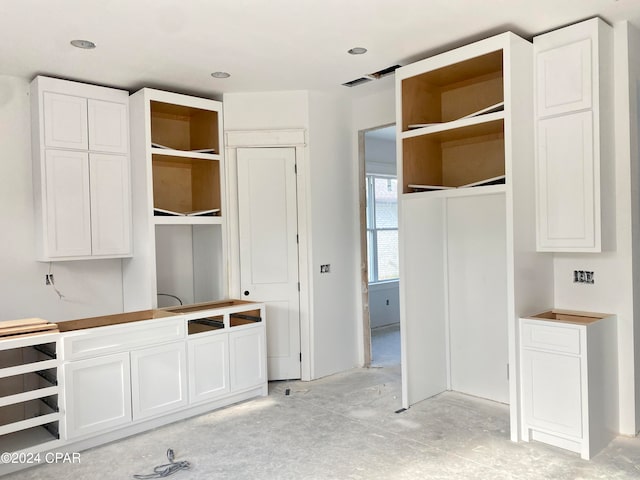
[
  {"x": 187, "y": 220},
  {"x": 27, "y": 439},
  {"x": 461, "y": 192},
  {"x": 464, "y": 127},
  {"x": 168, "y": 152}
]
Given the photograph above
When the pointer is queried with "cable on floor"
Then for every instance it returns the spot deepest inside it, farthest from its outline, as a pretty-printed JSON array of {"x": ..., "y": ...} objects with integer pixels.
[{"x": 162, "y": 471}]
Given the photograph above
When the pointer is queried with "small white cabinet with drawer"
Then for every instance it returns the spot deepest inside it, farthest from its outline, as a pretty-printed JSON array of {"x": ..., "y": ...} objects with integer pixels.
[{"x": 569, "y": 380}]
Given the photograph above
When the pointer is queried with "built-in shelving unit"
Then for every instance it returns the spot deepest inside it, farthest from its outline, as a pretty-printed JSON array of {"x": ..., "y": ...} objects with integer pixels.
[
  {"x": 466, "y": 166},
  {"x": 452, "y": 125},
  {"x": 29, "y": 414},
  {"x": 178, "y": 178}
]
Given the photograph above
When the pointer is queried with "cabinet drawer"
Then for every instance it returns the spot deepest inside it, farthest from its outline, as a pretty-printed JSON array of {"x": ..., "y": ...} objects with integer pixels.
[
  {"x": 560, "y": 338},
  {"x": 120, "y": 338}
]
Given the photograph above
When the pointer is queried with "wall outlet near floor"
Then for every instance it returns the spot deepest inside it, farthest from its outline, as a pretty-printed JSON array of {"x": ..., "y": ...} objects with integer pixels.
[
  {"x": 583, "y": 276},
  {"x": 325, "y": 268}
]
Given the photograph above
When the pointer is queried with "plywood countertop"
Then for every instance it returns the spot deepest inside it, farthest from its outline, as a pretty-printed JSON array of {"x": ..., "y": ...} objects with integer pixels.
[
  {"x": 569, "y": 316},
  {"x": 115, "y": 319}
]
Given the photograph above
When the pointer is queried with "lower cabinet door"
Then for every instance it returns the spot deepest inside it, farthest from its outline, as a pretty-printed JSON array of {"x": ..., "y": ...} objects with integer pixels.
[
  {"x": 248, "y": 360},
  {"x": 158, "y": 380},
  {"x": 97, "y": 394},
  {"x": 552, "y": 392},
  {"x": 208, "y": 367}
]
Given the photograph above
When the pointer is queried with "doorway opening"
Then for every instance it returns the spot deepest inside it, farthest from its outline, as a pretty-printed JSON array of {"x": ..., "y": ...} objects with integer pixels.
[{"x": 379, "y": 246}]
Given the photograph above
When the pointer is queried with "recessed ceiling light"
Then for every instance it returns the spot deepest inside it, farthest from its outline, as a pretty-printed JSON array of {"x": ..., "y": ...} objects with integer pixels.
[
  {"x": 86, "y": 44},
  {"x": 220, "y": 75},
  {"x": 357, "y": 50}
]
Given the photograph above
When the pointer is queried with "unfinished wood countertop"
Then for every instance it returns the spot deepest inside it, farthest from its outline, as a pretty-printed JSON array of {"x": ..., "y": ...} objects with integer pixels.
[
  {"x": 115, "y": 319},
  {"x": 569, "y": 316}
]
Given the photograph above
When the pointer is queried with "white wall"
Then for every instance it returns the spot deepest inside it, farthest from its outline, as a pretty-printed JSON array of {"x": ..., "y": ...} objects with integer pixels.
[
  {"x": 335, "y": 233},
  {"x": 89, "y": 287},
  {"x": 613, "y": 288},
  {"x": 330, "y": 210},
  {"x": 384, "y": 304},
  {"x": 634, "y": 154}
]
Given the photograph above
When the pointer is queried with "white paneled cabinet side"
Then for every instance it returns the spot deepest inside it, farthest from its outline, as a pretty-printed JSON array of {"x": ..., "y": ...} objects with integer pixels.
[
  {"x": 574, "y": 137},
  {"x": 81, "y": 171}
]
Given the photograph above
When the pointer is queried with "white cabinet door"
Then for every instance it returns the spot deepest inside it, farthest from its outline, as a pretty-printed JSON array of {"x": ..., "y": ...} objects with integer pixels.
[
  {"x": 110, "y": 204},
  {"x": 108, "y": 126},
  {"x": 564, "y": 78},
  {"x": 158, "y": 380},
  {"x": 208, "y": 367},
  {"x": 568, "y": 200},
  {"x": 247, "y": 358},
  {"x": 98, "y": 394},
  {"x": 65, "y": 121},
  {"x": 68, "y": 209},
  {"x": 552, "y": 392}
]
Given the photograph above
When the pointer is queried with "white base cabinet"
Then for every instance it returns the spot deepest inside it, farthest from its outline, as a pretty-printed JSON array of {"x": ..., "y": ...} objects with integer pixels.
[
  {"x": 569, "y": 380},
  {"x": 208, "y": 367},
  {"x": 97, "y": 394},
  {"x": 246, "y": 351},
  {"x": 158, "y": 379}
]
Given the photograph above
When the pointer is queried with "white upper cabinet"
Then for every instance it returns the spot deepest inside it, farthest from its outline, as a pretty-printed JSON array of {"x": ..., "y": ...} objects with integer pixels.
[
  {"x": 574, "y": 136},
  {"x": 110, "y": 204},
  {"x": 564, "y": 78},
  {"x": 67, "y": 202},
  {"x": 566, "y": 175},
  {"x": 108, "y": 126},
  {"x": 65, "y": 121},
  {"x": 81, "y": 170}
]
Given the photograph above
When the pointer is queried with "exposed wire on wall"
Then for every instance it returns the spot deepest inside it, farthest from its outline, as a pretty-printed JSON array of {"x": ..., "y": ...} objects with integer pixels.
[
  {"x": 172, "y": 296},
  {"x": 51, "y": 283}
]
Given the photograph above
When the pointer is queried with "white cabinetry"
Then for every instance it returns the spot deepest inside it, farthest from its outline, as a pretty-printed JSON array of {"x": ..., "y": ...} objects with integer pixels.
[
  {"x": 152, "y": 367},
  {"x": 97, "y": 394},
  {"x": 246, "y": 358},
  {"x": 208, "y": 367},
  {"x": 574, "y": 138},
  {"x": 29, "y": 394},
  {"x": 569, "y": 380},
  {"x": 81, "y": 170},
  {"x": 466, "y": 163},
  {"x": 159, "y": 379},
  {"x": 178, "y": 201}
]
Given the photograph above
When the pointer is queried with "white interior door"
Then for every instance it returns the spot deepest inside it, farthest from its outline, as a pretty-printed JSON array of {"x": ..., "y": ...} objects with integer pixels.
[{"x": 267, "y": 207}]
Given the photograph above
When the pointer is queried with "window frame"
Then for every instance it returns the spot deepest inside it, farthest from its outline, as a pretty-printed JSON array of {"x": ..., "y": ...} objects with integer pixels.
[{"x": 372, "y": 228}]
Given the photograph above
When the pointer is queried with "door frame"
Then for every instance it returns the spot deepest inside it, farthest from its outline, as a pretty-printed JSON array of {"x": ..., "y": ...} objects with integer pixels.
[
  {"x": 297, "y": 139},
  {"x": 364, "y": 250}
]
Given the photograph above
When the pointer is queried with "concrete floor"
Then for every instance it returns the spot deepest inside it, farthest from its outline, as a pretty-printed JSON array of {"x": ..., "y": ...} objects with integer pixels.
[{"x": 345, "y": 427}]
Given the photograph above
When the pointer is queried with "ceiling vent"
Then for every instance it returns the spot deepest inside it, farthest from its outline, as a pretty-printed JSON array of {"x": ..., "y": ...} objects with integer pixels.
[
  {"x": 372, "y": 76},
  {"x": 357, "y": 81},
  {"x": 384, "y": 72}
]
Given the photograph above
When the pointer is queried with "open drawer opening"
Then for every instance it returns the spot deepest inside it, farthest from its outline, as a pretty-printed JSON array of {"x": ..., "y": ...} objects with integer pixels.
[
  {"x": 244, "y": 318},
  {"x": 205, "y": 324}
]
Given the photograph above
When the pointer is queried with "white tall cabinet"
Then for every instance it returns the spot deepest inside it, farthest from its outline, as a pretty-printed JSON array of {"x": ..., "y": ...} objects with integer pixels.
[
  {"x": 574, "y": 118},
  {"x": 178, "y": 201},
  {"x": 468, "y": 261},
  {"x": 81, "y": 174}
]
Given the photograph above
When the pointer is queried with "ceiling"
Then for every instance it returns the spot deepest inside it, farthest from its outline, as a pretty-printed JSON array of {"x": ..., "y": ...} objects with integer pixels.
[{"x": 265, "y": 44}]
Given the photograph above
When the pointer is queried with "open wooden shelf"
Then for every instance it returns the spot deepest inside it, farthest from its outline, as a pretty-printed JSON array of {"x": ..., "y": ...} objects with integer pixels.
[
  {"x": 453, "y": 92},
  {"x": 184, "y": 128},
  {"x": 454, "y": 158},
  {"x": 185, "y": 184}
]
